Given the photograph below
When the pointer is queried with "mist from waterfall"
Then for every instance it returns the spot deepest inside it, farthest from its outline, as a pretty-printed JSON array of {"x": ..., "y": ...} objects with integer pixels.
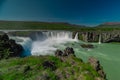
[
  {"x": 45, "y": 43},
  {"x": 51, "y": 40}
]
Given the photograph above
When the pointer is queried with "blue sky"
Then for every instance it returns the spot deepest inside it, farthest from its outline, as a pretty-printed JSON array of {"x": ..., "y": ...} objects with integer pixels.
[{"x": 87, "y": 12}]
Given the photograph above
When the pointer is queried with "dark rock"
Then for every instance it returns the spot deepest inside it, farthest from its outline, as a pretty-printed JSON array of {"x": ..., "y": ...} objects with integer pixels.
[
  {"x": 58, "y": 53},
  {"x": 96, "y": 65},
  {"x": 115, "y": 39},
  {"x": 49, "y": 64},
  {"x": 102, "y": 36},
  {"x": 87, "y": 46},
  {"x": 9, "y": 48},
  {"x": 102, "y": 74},
  {"x": 68, "y": 51},
  {"x": 4, "y": 37},
  {"x": 11, "y": 42}
]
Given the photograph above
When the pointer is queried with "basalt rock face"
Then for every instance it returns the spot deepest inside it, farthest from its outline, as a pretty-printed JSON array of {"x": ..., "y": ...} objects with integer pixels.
[
  {"x": 96, "y": 65},
  {"x": 102, "y": 36},
  {"x": 8, "y": 47},
  {"x": 68, "y": 51}
]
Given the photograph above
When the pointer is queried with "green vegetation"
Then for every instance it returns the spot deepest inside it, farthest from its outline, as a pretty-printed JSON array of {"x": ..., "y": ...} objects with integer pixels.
[
  {"x": 11, "y": 25},
  {"x": 8, "y": 47},
  {"x": 34, "y": 68},
  {"x": 108, "y": 27},
  {"x": 22, "y": 25}
]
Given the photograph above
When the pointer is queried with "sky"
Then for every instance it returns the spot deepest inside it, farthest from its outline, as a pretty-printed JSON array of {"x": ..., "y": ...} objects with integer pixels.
[{"x": 85, "y": 12}]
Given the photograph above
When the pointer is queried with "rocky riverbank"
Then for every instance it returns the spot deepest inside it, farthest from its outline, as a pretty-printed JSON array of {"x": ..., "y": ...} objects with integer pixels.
[{"x": 92, "y": 61}]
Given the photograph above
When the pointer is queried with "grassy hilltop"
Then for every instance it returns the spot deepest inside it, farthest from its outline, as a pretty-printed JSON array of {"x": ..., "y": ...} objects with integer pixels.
[
  {"x": 22, "y": 25},
  {"x": 37, "y": 25},
  {"x": 46, "y": 68}
]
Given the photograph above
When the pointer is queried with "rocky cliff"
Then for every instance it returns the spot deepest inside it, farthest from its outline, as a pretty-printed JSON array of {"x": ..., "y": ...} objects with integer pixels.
[
  {"x": 8, "y": 47},
  {"x": 99, "y": 36}
]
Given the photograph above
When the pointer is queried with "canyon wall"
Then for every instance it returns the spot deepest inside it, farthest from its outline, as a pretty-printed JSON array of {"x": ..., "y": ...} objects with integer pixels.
[
  {"x": 87, "y": 36},
  {"x": 99, "y": 36}
]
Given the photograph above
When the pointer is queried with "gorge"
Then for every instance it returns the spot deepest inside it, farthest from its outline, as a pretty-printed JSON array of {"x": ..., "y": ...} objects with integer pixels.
[{"x": 47, "y": 42}]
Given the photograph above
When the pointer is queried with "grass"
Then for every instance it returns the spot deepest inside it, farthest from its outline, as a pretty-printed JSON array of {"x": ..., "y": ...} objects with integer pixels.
[
  {"x": 31, "y": 68},
  {"x": 30, "y": 25}
]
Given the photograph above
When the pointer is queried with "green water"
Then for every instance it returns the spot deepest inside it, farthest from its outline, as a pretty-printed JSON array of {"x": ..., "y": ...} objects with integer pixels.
[{"x": 107, "y": 53}]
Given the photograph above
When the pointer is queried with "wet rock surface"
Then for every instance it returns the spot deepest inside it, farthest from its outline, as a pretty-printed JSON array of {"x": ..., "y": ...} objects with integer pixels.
[
  {"x": 68, "y": 51},
  {"x": 90, "y": 46}
]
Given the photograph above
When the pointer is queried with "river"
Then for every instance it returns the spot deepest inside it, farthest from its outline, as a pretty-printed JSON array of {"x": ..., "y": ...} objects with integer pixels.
[{"x": 45, "y": 43}]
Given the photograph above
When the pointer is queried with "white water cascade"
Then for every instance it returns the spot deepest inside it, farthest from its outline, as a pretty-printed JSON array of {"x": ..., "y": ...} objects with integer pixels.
[
  {"x": 99, "y": 42},
  {"x": 76, "y": 37},
  {"x": 26, "y": 42},
  {"x": 45, "y": 43},
  {"x": 49, "y": 40}
]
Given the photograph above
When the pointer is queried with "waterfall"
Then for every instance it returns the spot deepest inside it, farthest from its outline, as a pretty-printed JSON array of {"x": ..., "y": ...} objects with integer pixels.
[
  {"x": 76, "y": 37},
  {"x": 54, "y": 35},
  {"x": 58, "y": 35},
  {"x": 46, "y": 42},
  {"x": 99, "y": 42},
  {"x": 26, "y": 43}
]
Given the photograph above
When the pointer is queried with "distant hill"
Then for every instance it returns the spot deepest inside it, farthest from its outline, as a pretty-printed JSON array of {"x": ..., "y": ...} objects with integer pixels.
[
  {"x": 38, "y": 25},
  {"x": 33, "y": 25},
  {"x": 110, "y": 25}
]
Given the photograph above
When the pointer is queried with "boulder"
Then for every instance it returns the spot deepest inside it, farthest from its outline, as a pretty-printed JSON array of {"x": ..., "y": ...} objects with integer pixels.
[
  {"x": 49, "y": 64},
  {"x": 58, "y": 53},
  {"x": 68, "y": 51},
  {"x": 87, "y": 46}
]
